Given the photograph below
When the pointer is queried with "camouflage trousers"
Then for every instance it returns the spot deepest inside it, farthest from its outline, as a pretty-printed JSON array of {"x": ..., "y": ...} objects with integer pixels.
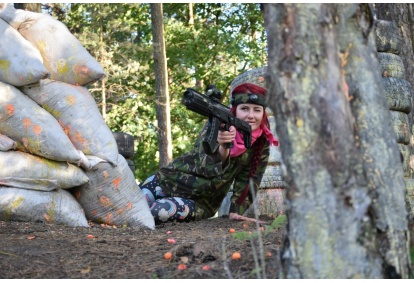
[{"x": 165, "y": 208}]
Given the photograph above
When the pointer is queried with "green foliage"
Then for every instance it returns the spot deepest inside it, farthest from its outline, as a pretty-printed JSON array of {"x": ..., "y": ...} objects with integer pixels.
[
  {"x": 279, "y": 222},
  {"x": 412, "y": 255},
  {"x": 225, "y": 40},
  {"x": 411, "y": 276}
]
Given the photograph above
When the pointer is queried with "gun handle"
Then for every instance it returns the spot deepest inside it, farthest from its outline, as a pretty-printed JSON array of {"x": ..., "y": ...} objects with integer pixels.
[
  {"x": 210, "y": 143},
  {"x": 227, "y": 128},
  {"x": 247, "y": 137},
  {"x": 229, "y": 145}
]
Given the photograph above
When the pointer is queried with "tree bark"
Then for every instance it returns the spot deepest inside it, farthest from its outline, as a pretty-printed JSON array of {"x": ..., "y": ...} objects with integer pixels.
[
  {"x": 190, "y": 14},
  {"x": 402, "y": 14},
  {"x": 102, "y": 58},
  {"x": 161, "y": 84},
  {"x": 344, "y": 181},
  {"x": 33, "y": 7}
]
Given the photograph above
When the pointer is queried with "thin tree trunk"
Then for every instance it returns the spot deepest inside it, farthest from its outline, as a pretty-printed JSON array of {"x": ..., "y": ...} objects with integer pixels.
[
  {"x": 190, "y": 14},
  {"x": 103, "y": 86},
  {"x": 345, "y": 206},
  {"x": 161, "y": 84}
]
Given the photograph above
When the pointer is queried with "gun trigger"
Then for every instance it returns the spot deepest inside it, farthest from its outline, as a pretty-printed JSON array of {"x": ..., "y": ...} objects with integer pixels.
[{"x": 225, "y": 127}]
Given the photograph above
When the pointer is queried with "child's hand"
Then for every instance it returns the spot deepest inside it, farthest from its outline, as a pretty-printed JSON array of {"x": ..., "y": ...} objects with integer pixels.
[
  {"x": 235, "y": 216},
  {"x": 224, "y": 137}
]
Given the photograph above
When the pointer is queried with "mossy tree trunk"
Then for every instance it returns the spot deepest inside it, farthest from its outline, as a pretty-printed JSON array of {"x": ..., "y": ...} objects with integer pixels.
[{"x": 345, "y": 184}]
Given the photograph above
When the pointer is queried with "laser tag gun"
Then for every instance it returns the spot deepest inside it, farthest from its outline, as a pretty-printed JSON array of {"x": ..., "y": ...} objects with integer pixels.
[{"x": 209, "y": 105}]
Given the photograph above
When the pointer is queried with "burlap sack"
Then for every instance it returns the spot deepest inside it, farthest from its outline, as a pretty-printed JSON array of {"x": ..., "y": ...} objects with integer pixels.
[
  {"x": 77, "y": 112},
  {"x": 33, "y": 128},
  {"x": 57, "y": 206},
  {"x": 26, "y": 171},
  {"x": 63, "y": 54},
  {"x": 20, "y": 62},
  {"x": 113, "y": 197}
]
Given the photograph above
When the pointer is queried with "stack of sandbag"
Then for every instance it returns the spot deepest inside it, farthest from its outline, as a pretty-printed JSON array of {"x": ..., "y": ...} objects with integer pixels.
[{"x": 52, "y": 135}]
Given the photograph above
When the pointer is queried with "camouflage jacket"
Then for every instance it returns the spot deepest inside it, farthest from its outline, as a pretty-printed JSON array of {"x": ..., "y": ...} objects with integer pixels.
[{"x": 206, "y": 179}]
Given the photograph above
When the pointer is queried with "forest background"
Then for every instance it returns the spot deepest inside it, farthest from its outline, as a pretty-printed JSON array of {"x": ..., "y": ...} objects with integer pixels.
[
  {"x": 213, "y": 43},
  {"x": 205, "y": 43}
]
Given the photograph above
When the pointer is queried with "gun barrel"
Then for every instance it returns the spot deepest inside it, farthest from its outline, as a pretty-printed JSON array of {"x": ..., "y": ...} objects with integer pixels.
[
  {"x": 205, "y": 106},
  {"x": 197, "y": 102}
]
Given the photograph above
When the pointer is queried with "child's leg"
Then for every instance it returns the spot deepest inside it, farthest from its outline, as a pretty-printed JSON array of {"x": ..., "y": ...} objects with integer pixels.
[
  {"x": 151, "y": 189},
  {"x": 172, "y": 209},
  {"x": 163, "y": 207}
]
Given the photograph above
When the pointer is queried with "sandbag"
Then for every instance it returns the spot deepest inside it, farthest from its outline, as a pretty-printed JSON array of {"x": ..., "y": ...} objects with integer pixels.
[
  {"x": 63, "y": 54},
  {"x": 113, "y": 197},
  {"x": 7, "y": 143},
  {"x": 77, "y": 113},
  {"x": 57, "y": 206},
  {"x": 26, "y": 171},
  {"x": 33, "y": 128},
  {"x": 20, "y": 62}
]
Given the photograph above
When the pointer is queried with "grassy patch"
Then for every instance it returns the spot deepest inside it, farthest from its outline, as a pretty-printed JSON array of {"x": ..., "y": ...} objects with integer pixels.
[{"x": 276, "y": 224}]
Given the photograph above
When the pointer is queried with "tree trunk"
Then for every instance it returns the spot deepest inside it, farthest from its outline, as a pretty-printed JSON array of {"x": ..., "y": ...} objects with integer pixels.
[
  {"x": 102, "y": 49},
  {"x": 161, "y": 84},
  {"x": 32, "y": 7},
  {"x": 344, "y": 181},
  {"x": 190, "y": 14},
  {"x": 402, "y": 15}
]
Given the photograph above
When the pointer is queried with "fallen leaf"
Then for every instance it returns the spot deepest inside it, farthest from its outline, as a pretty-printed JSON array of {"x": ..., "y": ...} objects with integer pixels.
[
  {"x": 47, "y": 217},
  {"x": 86, "y": 270}
]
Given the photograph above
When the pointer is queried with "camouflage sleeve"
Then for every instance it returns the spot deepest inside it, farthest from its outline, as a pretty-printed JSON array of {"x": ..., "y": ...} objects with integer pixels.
[
  {"x": 208, "y": 165},
  {"x": 242, "y": 178},
  {"x": 264, "y": 159}
]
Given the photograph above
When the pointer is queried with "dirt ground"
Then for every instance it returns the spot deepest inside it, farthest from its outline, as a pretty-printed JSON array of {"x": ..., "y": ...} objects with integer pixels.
[{"x": 48, "y": 251}]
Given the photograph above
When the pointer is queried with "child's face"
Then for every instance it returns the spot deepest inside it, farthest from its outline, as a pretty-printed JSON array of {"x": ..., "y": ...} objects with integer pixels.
[{"x": 251, "y": 113}]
